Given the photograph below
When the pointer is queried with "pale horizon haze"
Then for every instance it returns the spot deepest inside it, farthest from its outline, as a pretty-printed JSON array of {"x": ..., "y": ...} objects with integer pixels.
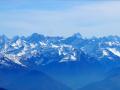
[{"x": 60, "y": 18}]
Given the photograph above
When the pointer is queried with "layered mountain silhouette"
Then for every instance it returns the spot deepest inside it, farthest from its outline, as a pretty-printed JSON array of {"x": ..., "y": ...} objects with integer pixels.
[
  {"x": 39, "y": 62},
  {"x": 112, "y": 82},
  {"x": 18, "y": 79}
]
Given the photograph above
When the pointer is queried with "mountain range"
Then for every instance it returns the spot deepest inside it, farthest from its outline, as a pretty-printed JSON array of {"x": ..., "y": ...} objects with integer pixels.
[
  {"x": 73, "y": 62},
  {"x": 57, "y": 49}
]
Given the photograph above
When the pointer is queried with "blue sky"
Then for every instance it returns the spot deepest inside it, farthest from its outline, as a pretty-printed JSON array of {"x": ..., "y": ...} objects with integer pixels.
[{"x": 60, "y": 17}]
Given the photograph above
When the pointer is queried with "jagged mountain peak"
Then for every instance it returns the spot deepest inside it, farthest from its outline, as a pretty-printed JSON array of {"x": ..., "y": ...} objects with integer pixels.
[{"x": 77, "y": 35}]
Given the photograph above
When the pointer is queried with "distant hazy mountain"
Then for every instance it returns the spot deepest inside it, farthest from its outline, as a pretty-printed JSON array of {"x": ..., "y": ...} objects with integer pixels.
[
  {"x": 112, "y": 82},
  {"x": 21, "y": 79}
]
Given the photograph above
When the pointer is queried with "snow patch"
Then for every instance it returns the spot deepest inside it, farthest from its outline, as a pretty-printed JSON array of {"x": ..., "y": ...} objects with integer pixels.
[
  {"x": 33, "y": 45},
  {"x": 14, "y": 58},
  {"x": 54, "y": 46},
  {"x": 42, "y": 43},
  {"x": 114, "y": 51},
  {"x": 73, "y": 58},
  {"x": 105, "y": 53}
]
